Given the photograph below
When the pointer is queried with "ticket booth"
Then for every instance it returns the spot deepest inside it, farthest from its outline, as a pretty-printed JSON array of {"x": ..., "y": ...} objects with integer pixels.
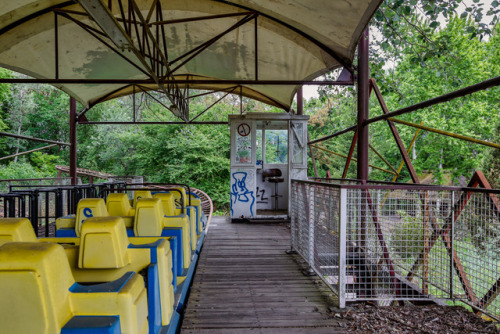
[{"x": 267, "y": 151}]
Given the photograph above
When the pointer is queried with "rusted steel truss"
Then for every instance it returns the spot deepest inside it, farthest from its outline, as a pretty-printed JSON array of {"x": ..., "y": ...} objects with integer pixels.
[
  {"x": 437, "y": 100},
  {"x": 349, "y": 156},
  {"x": 444, "y": 232},
  {"x": 395, "y": 133}
]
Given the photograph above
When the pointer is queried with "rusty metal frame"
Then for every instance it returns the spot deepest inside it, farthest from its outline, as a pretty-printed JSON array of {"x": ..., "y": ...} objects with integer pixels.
[
  {"x": 349, "y": 156},
  {"x": 395, "y": 133},
  {"x": 6, "y": 134},
  {"x": 179, "y": 81},
  {"x": 27, "y": 152},
  {"x": 213, "y": 104},
  {"x": 493, "y": 82},
  {"x": 353, "y": 159},
  {"x": 153, "y": 123},
  {"x": 437, "y": 100},
  {"x": 478, "y": 179}
]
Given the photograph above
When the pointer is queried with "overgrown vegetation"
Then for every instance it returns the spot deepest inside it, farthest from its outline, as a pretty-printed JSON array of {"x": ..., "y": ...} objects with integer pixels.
[{"x": 413, "y": 59}]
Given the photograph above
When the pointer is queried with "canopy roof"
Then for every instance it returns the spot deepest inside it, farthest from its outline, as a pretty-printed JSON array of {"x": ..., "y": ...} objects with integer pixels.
[{"x": 96, "y": 49}]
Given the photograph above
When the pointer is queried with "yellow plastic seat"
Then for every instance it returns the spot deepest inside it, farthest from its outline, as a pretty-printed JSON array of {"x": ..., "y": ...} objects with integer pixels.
[
  {"x": 196, "y": 202},
  {"x": 140, "y": 194},
  {"x": 88, "y": 208},
  {"x": 168, "y": 203},
  {"x": 148, "y": 217},
  {"x": 16, "y": 230},
  {"x": 105, "y": 254},
  {"x": 181, "y": 200},
  {"x": 103, "y": 244},
  {"x": 151, "y": 221},
  {"x": 118, "y": 205},
  {"x": 39, "y": 293}
]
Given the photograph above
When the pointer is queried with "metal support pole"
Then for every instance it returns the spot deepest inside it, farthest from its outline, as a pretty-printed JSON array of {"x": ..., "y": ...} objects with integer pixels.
[
  {"x": 300, "y": 102},
  {"x": 313, "y": 158},
  {"x": 72, "y": 140},
  {"x": 311, "y": 227},
  {"x": 342, "y": 248},
  {"x": 363, "y": 115},
  {"x": 452, "y": 244}
]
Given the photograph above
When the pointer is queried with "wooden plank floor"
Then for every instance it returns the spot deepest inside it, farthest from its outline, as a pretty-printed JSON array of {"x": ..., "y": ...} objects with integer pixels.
[{"x": 246, "y": 283}]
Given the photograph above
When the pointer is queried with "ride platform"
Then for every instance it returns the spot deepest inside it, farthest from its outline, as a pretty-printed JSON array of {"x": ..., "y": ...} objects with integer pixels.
[{"x": 247, "y": 283}]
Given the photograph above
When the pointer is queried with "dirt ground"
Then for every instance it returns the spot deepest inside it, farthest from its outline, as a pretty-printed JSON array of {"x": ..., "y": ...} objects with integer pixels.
[{"x": 368, "y": 318}]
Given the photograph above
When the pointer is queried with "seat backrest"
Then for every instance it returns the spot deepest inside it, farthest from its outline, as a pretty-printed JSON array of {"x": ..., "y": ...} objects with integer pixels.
[
  {"x": 139, "y": 194},
  {"x": 103, "y": 244},
  {"x": 168, "y": 202},
  {"x": 272, "y": 172},
  {"x": 16, "y": 230},
  {"x": 87, "y": 208},
  {"x": 118, "y": 204},
  {"x": 148, "y": 220},
  {"x": 34, "y": 284},
  {"x": 180, "y": 199}
]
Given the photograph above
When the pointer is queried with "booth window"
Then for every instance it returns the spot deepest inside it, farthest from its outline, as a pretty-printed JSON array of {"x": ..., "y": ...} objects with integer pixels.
[
  {"x": 258, "y": 135},
  {"x": 243, "y": 144},
  {"x": 298, "y": 143},
  {"x": 276, "y": 147}
]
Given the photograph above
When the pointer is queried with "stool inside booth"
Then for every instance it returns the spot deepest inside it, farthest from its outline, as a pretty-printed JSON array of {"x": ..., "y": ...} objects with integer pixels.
[
  {"x": 273, "y": 176},
  {"x": 268, "y": 150}
]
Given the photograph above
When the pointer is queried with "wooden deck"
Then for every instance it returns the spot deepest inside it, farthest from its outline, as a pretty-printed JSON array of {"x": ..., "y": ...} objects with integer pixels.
[{"x": 246, "y": 283}]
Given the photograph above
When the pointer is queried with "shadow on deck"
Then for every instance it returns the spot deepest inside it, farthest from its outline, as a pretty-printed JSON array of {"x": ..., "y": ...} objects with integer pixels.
[{"x": 246, "y": 283}]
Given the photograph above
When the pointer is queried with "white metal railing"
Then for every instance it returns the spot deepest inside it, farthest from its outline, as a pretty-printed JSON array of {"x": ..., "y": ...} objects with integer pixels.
[{"x": 401, "y": 242}]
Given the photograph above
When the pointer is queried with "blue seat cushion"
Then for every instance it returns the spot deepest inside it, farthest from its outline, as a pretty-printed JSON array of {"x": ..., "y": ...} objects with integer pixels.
[{"x": 92, "y": 325}]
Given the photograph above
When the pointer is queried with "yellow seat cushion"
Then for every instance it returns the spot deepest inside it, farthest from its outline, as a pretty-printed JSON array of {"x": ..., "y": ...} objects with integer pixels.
[
  {"x": 16, "y": 230},
  {"x": 87, "y": 208},
  {"x": 103, "y": 243}
]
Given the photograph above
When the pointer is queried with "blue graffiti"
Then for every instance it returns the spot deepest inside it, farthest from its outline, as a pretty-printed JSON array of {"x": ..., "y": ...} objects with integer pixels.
[{"x": 240, "y": 193}]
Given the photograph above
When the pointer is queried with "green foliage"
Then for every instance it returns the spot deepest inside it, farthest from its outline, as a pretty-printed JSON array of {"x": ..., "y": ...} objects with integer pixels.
[
  {"x": 407, "y": 236},
  {"x": 420, "y": 73},
  {"x": 196, "y": 155},
  {"x": 45, "y": 163},
  {"x": 492, "y": 163},
  {"x": 407, "y": 24},
  {"x": 21, "y": 170}
]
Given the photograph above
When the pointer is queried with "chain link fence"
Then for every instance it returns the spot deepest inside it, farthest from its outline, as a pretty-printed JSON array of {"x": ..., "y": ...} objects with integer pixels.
[{"x": 401, "y": 243}]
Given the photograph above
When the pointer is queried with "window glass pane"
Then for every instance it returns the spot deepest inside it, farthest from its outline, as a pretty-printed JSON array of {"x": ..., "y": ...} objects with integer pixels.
[
  {"x": 297, "y": 139},
  {"x": 259, "y": 147},
  {"x": 243, "y": 144},
  {"x": 276, "y": 146}
]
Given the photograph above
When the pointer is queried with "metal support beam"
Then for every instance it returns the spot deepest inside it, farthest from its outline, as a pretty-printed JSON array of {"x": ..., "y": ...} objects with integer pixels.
[
  {"x": 33, "y": 138},
  {"x": 336, "y": 134},
  {"x": 313, "y": 158},
  {"x": 173, "y": 81},
  {"x": 72, "y": 140},
  {"x": 349, "y": 156},
  {"x": 363, "y": 111},
  {"x": 445, "y": 133},
  {"x": 383, "y": 159},
  {"x": 440, "y": 99},
  {"x": 353, "y": 159},
  {"x": 395, "y": 133},
  {"x": 27, "y": 152},
  {"x": 153, "y": 123}
]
